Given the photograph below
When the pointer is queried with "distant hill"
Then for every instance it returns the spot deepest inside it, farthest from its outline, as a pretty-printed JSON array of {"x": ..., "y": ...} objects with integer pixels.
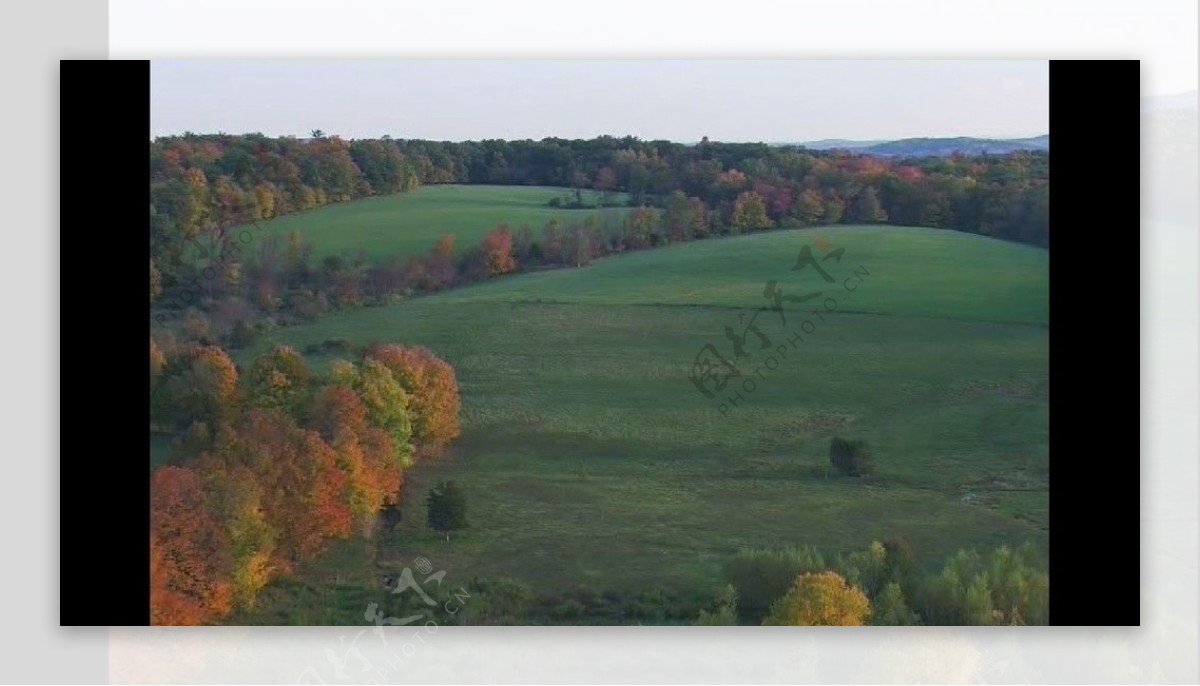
[
  {"x": 934, "y": 147},
  {"x": 839, "y": 144}
]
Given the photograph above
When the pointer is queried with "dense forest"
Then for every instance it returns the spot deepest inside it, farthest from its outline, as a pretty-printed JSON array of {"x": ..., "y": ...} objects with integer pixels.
[
  {"x": 198, "y": 182},
  {"x": 270, "y": 464}
]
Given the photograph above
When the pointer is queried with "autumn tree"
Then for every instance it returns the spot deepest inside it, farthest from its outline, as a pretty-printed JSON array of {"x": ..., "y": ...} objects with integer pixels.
[
  {"x": 749, "y": 213},
  {"x": 640, "y": 226},
  {"x": 677, "y": 217},
  {"x": 304, "y": 488},
  {"x": 279, "y": 378},
  {"x": 809, "y": 208},
  {"x": 200, "y": 384},
  {"x": 388, "y": 406},
  {"x": 432, "y": 390},
  {"x": 189, "y": 552},
  {"x": 336, "y": 409},
  {"x": 446, "y": 508},
  {"x": 236, "y": 501},
  {"x": 438, "y": 269},
  {"x": 498, "y": 251},
  {"x": 606, "y": 183},
  {"x": 835, "y": 208},
  {"x": 698, "y": 224},
  {"x": 820, "y": 599}
]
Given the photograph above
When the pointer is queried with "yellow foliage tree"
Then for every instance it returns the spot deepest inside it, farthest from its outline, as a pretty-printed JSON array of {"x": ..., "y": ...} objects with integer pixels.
[{"x": 822, "y": 599}]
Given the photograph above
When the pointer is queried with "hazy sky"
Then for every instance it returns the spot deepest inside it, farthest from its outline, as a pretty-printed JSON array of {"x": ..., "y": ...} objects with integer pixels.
[{"x": 738, "y": 100}]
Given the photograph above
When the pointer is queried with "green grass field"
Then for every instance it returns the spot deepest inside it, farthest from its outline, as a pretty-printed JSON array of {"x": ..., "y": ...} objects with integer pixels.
[
  {"x": 410, "y": 223},
  {"x": 589, "y": 458}
]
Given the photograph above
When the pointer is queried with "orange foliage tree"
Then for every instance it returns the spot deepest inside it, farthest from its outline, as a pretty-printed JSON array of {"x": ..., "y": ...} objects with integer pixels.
[
  {"x": 366, "y": 454},
  {"x": 189, "y": 552},
  {"x": 432, "y": 389},
  {"x": 265, "y": 491},
  {"x": 302, "y": 486},
  {"x": 498, "y": 251}
]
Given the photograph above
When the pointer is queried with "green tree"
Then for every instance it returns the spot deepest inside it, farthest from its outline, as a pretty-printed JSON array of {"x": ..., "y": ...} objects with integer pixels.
[
  {"x": 866, "y": 207},
  {"x": 446, "y": 508},
  {"x": 890, "y": 608},
  {"x": 762, "y": 576},
  {"x": 387, "y": 405},
  {"x": 851, "y": 457}
]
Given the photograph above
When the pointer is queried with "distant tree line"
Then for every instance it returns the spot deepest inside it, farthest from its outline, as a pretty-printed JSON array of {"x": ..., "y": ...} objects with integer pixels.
[
  {"x": 202, "y": 187},
  {"x": 199, "y": 182}
]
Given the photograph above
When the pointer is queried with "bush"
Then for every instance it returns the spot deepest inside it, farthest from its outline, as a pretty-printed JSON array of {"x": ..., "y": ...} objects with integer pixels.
[
  {"x": 650, "y": 606},
  {"x": 500, "y": 602},
  {"x": 851, "y": 457}
]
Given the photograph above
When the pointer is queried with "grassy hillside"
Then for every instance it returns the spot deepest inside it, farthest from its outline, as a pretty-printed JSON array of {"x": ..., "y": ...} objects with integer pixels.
[
  {"x": 589, "y": 458},
  {"x": 913, "y": 272},
  {"x": 410, "y": 223}
]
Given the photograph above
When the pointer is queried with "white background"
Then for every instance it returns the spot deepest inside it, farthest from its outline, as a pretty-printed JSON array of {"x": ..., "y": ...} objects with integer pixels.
[{"x": 35, "y": 35}]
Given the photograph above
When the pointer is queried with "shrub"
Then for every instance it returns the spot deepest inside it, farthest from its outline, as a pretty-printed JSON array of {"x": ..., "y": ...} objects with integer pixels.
[
  {"x": 851, "y": 457},
  {"x": 503, "y": 601}
]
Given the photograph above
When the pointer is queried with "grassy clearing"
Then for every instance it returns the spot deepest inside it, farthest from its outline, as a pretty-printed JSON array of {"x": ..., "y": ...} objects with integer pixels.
[
  {"x": 410, "y": 223},
  {"x": 589, "y": 458}
]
